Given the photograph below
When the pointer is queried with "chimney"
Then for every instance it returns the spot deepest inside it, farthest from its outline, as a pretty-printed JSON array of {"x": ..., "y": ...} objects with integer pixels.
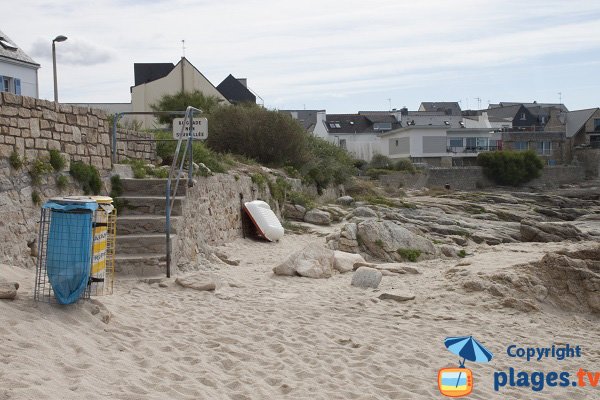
[{"x": 243, "y": 81}]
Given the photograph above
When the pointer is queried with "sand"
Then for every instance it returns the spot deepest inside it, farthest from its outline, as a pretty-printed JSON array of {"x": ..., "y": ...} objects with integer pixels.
[{"x": 264, "y": 337}]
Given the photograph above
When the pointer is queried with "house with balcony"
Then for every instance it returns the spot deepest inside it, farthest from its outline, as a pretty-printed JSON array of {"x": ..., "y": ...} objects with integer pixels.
[{"x": 18, "y": 71}]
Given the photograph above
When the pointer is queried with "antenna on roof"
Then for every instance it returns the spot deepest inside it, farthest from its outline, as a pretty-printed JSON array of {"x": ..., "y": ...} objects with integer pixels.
[{"x": 183, "y": 48}]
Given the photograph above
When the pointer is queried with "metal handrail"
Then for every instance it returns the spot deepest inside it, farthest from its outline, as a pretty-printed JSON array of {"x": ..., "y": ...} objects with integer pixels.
[{"x": 189, "y": 114}]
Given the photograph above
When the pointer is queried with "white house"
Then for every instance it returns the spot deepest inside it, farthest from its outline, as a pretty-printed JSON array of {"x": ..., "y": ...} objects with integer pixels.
[
  {"x": 18, "y": 71},
  {"x": 152, "y": 81}
]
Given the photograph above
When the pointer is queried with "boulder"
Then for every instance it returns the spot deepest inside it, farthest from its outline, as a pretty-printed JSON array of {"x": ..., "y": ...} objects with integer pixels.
[
  {"x": 8, "y": 290},
  {"x": 366, "y": 277},
  {"x": 344, "y": 262},
  {"x": 382, "y": 239},
  {"x": 294, "y": 211},
  {"x": 199, "y": 281},
  {"x": 317, "y": 217},
  {"x": 535, "y": 231},
  {"x": 364, "y": 212},
  {"x": 345, "y": 200},
  {"x": 313, "y": 261}
]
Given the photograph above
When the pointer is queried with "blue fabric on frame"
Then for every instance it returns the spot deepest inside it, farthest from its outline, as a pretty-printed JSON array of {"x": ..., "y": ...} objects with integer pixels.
[{"x": 69, "y": 253}]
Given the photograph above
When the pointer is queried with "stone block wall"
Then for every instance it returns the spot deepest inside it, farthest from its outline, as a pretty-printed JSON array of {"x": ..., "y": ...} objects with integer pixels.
[
  {"x": 135, "y": 145},
  {"x": 472, "y": 178},
  {"x": 31, "y": 127}
]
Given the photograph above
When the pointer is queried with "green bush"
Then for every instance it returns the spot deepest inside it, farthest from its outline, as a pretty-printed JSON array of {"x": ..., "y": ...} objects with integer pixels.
[
  {"x": 87, "y": 176},
  {"x": 62, "y": 182},
  {"x": 36, "y": 198},
  {"x": 379, "y": 161},
  {"x": 404, "y": 164},
  {"x": 325, "y": 163},
  {"x": 279, "y": 189},
  {"x": 409, "y": 254},
  {"x": 301, "y": 199},
  {"x": 57, "y": 161},
  {"x": 512, "y": 168},
  {"x": 375, "y": 173},
  {"x": 15, "y": 160},
  {"x": 37, "y": 169},
  {"x": 462, "y": 253},
  {"x": 116, "y": 186},
  {"x": 180, "y": 102},
  {"x": 259, "y": 180}
]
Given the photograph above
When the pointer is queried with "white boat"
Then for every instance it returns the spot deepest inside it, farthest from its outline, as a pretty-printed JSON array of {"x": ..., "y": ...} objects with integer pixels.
[{"x": 264, "y": 219}]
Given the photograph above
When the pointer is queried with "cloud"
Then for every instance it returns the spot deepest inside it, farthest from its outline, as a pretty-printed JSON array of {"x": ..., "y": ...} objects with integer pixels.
[{"x": 73, "y": 52}]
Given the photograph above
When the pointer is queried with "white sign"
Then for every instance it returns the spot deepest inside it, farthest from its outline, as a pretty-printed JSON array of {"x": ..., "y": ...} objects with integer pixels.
[{"x": 199, "y": 128}]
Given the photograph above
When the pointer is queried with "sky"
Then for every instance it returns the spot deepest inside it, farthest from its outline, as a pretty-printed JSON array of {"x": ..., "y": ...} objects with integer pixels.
[{"x": 342, "y": 56}]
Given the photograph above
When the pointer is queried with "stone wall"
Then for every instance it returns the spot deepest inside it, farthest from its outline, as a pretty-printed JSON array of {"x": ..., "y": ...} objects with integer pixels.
[
  {"x": 135, "y": 145},
  {"x": 212, "y": 213},
  {"x": 31, "y": 127},
  {"x": 590, "y": 160},
  {"x": 472, "y": 178}
]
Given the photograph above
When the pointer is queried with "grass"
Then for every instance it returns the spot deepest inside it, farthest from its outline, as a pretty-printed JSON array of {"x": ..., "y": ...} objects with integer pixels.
[
  {"x": 62, "y": 182},
  {"x": 409, "y": 254},
  {"x": 301, "y": 199},
  {"x": 259, "y": 180},
  {"x": 36, "y": 198},
  {"x": 462, "y": 253},
  {"x": 37, "y": 170},
  {"x": 379, "y": 243}
]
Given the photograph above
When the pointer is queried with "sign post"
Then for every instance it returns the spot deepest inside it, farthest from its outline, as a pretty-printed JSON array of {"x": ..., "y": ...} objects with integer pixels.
[{"x": 199, "y": 128}]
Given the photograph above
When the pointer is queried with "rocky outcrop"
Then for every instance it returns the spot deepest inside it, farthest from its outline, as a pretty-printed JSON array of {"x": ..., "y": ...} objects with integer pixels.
[
  {"x": 345, "y": 200},
  {"x": 535, "y": 231},
  {"x": 294, "y": 212},
  {"x": 8, "y": 291},
  {"x": 345, "y": 262}
]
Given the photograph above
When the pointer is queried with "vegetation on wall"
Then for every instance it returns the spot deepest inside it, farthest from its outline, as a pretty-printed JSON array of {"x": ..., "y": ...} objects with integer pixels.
[
  {"x": 512, "y": 168},
  {"x": 15, "y": 160},
  {"x": 57, "y": 161},
  {"x": 87, "y": 176},
  {"x": 201, "y": 154}
]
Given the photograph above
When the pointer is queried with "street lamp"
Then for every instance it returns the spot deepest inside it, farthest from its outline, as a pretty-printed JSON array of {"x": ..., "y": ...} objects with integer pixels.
[{"x": 59, "y": 38}]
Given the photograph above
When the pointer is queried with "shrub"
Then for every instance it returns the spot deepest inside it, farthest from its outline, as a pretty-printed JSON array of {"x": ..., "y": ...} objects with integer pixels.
[
  {"x": 15, "y": 160},
  {"x": 380, "y": 161},
  {"x": 180, "y": 101},
  {"x": 62, "y": 182},
  {"x": 462, "y": 253},
  {"x": 116, "y": 186},
  {"x": 36, "y": 198},
  {"x": 37, "y": 169},
  {"x": 57, "y": 161},
  {"x": 301, "y": 199},
  {"x": 404, "y": 164},
  {"x": 259, "y": 180},
  {"x": 279, "y": 189},
  {"x": 512, "y": 168},
  {"x": 409, "y": 254},
  {"x": 326, "y": 163},
  {"x": 165, "y": 149},
  {"x": 87, "y": 176},
  {"x": 375, "y": 173}
]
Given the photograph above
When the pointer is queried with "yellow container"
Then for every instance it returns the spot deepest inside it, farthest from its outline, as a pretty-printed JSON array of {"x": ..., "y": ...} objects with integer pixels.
[{"x": 102, "y": 272}]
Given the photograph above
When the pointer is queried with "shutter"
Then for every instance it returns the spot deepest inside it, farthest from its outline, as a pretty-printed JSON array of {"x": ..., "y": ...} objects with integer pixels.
[{"x": 18, "y": 86}]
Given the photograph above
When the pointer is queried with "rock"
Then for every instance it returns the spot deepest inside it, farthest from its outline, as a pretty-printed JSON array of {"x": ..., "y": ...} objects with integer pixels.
[
  {"x": 535, "y": 231},
  {"x": 364, "y": 212},
  {"x": 199, "y": 281},
  {"x": 366, "y": 277},
  {"x": 382, "y": 239},
  {"x": 399, "y": 296},
  {"x": 345, "y": 200},
  {"x": 317, "y": 217},
  {"x": 349, "y": 231},
  {"x": 203, "y": 169},
  {"x": 313, "y": 261},
  {"x": 225, "y": 258},
  {"x": 344, "y": 262},
  {"x": 8, "y": 290},
  {"x": 294, "y": 211},
  {"x": 473, "y": 286},
  {"x": 449, "y": 251},
  {"x": 163, "y": 285}
]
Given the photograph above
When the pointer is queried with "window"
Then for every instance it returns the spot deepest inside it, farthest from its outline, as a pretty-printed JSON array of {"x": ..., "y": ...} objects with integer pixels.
[
  {"x": 8, "y": 84},
  {"x": 456, "y": 142},
  {"x": 495, "y": 145},
  {"x": 523, "y": 117},
  {"x": 482, "y": 143},
  {"x": 544, "y": 148},
  {"x": 343, "y": 143},
  {"x": 471, "y": 144},
  {"x": 520, "y": 146},
  {"x": 335, "y": 124},
  {"x": 382, "y": 126},
  {"x": 596, "y": 124},
  {"x": 396, "y": 142}
]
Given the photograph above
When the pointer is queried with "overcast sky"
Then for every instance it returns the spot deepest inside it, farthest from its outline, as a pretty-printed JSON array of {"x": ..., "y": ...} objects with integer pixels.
[{"x": 338, "y": 55}]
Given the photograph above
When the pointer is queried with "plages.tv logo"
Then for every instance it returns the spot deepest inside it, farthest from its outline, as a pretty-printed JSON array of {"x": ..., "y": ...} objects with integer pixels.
[{"x": 458, "y": 382}]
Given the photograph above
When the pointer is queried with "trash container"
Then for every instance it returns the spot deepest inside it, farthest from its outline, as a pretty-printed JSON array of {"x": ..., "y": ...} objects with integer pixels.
[
  {"x": 65, "y": 250},
  {"x": 103, "y": 257}
]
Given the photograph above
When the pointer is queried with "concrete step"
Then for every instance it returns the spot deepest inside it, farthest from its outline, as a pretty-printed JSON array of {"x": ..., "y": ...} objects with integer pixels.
[
  {"x": 142, "y": 243},
  {"x": 148, "y": 205},
  {"x": 135, "y": 224},
  {"x": 152, "y": 187},
  {"x": 141, "y": 265}
]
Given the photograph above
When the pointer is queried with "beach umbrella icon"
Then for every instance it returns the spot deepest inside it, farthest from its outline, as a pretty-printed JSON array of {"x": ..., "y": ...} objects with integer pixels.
[{"x": 469, "y": 349}]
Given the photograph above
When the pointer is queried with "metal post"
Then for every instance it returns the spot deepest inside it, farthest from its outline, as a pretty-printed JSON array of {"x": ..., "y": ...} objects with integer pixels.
[
  {"x": 168, "y": 227},
  {"x": 54, "y": 71},
  {"x": 191, "y": 161}
]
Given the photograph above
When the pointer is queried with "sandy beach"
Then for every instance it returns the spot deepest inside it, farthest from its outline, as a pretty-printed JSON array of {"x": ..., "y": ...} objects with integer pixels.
[{"x": 259, "y": 336}]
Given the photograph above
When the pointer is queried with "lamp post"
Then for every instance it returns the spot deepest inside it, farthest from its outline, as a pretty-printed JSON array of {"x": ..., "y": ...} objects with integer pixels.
[{"x": 59, "y": 38}]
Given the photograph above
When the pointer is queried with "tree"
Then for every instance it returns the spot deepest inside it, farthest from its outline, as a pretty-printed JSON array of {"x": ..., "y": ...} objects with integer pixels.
[
  {"x": 512, "y": 168},
  {"x": 180, "y": 102}
]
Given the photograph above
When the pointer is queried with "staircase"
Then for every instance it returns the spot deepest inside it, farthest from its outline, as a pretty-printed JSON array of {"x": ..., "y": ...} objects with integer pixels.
[{"x": 141, "y": 241}]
